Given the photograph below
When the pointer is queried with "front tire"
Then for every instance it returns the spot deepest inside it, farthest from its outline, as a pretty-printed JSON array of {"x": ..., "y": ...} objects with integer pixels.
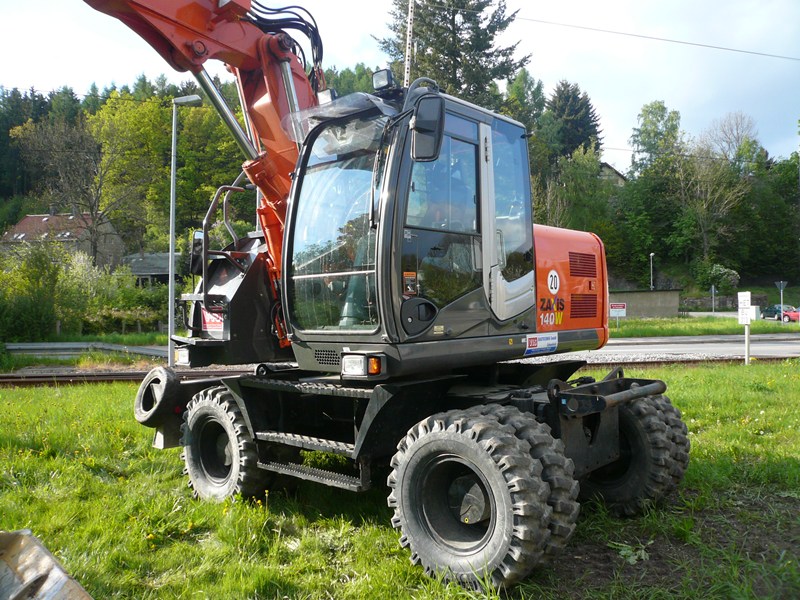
[
  {"x": 556, "y": 471},
  {"x": 219, "y": 452},
  {"x": 465, "y": 501}
]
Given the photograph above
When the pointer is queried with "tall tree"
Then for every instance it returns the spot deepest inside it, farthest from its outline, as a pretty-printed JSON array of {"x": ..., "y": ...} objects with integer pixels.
[
  {"x": 659, "y": 149},
  {"x": 710, "y": 189},
  {"x": 586, "y": 191},
  {"x": 525, "y": 99},
  {"x": 64, "y": 106},
  {"x": 579, "y": 124},
  {"x": 133, "y": 172},
  {"x": 658, "y": 137},
  {"x": 574, "y": 195},
  {"x": 142, "y": 88},
  {"x": 735, "y": 138},
  {"x": 347, "y": 81},
  {"x": 70, "y": 159},
  {"x": 16, "y": 109},
  {"x": 455, "y": 43},
  {"x": 92, "y": 101}
]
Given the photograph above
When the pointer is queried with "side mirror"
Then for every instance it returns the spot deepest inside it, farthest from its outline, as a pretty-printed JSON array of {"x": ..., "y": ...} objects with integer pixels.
[
  {"x": 427, "y": 128},
  {"x": 196, "y": 256}
]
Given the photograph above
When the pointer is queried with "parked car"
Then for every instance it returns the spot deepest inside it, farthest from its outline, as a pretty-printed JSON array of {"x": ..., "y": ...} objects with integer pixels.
[
  {"x": 774, "y": 311},
  {"x": 791, "y": 315}
]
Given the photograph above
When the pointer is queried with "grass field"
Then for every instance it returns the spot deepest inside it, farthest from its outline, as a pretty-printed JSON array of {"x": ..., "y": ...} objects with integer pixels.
[
  {"x": 694, "y": 326},
  {"x": 79, "y": 471}
]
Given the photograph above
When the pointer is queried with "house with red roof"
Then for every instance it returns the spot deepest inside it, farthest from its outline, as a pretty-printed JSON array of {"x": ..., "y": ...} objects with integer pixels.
[{"x": 72, "y": 232}]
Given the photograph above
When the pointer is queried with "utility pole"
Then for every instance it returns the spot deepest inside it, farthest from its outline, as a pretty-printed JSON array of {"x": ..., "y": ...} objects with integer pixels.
[
  {"x": 409, "y": 41},
  {"x": 193, "y": 100}
]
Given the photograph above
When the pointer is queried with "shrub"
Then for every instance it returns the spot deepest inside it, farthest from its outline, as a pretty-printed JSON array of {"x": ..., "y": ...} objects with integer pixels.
[
  {"x": 40, "y": 286},
  {"x": 28, "y": 278},
  {"x": 724, "y": 279}
]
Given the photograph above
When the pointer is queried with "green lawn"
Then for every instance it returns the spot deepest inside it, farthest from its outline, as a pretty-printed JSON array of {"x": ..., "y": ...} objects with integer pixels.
[
  {"x": 629, "y": 328},
  {"x": 79, "y": 471}
]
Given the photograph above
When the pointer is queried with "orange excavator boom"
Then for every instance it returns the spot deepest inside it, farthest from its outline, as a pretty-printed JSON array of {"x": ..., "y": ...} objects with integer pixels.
[{"x": 272, "y": 83}]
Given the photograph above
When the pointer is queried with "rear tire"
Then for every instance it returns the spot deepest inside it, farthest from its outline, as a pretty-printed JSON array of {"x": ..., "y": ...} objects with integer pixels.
[
  {"x": 642, "y": 475},
  {"x": 219, "y": 452},
  {"x": 678, "y": 434},
  {"x": 465, "y": 502}
]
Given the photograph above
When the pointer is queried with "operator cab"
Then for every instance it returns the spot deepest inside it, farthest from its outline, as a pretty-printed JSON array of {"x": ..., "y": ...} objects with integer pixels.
[{"x": 409, "y": 238}]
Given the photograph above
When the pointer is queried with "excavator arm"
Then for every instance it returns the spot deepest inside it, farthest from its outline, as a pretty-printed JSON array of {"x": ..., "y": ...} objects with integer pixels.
[{"x": 272, "y": 81}]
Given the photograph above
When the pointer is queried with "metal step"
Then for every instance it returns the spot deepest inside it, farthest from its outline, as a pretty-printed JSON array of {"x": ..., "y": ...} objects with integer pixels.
[
  {"x": 316, "y": 386},
  {"x": 330, "y": 478},
  {"x": 213, "y": 299},
  {"x": 306, "y": 442}
]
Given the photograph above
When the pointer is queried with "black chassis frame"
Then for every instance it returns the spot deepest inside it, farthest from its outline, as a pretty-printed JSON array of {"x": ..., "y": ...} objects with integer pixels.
[{"x": 365, "y": 422}]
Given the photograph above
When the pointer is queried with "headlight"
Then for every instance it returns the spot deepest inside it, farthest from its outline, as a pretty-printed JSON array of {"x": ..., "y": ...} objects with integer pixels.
[
  {"x": 182, "y": 356},
  {"x": 361, "y": 365},
  {"x": 382, "y": 80}
]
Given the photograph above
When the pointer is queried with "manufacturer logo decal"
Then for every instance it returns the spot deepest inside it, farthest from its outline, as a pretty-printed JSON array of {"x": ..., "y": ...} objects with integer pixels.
[
  {"x": 212, "y": 321},
  {"x": 541, "y": 343}
]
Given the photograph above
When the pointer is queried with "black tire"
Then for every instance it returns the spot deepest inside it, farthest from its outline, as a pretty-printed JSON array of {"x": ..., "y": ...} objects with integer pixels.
[
  {"x": 218, "y": 451},
  {"x": 553, "y": 467},
  {"x": 465, "y": 502},
  {"x": 157, "y": 398},
  {"x": 641, "y": 476},
  {"x": 786, "y": 318},
  {"x": 678, "y": 434}
]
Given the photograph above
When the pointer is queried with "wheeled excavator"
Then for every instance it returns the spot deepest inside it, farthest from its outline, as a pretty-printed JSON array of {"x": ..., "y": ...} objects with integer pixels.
[{"x": 399, "y": 308}]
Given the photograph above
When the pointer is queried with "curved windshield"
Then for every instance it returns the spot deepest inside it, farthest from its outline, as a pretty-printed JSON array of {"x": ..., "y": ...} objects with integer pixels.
[{"x": 332, "y": 271}]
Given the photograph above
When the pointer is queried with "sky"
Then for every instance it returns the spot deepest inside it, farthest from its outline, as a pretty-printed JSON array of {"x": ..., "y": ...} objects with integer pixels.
[{"x": 604, "y": 47}]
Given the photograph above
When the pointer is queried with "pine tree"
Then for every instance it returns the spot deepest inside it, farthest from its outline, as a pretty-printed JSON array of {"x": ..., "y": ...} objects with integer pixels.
[
  {"x": 455, "y": 45},
  {"x": 579, "y": 123}
]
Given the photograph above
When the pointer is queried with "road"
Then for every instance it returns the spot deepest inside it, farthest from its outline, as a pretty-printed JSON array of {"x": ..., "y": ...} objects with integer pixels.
[
  {"x": 652, "y": 349},
  {"x": 765, "y": 346}
]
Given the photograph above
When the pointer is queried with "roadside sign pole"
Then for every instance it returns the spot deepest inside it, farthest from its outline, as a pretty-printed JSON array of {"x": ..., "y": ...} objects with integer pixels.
[
  {"x": 747, "y": 344},
  {"x": 744, "y": 319},
  {"x": 618, "y": 309},
  {"x": 781, "y": 285}
]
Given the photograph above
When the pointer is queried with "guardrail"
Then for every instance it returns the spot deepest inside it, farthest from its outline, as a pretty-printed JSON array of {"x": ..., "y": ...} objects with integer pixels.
[{"x": 70, "y": 349}]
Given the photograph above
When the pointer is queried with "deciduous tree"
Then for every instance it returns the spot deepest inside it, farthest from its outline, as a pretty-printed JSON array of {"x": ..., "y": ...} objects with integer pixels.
[{"x": 710, "y": 187}]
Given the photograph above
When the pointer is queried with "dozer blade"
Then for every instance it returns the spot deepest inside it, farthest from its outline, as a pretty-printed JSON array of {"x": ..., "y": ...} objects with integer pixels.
[{"x": 28, "y": 570}]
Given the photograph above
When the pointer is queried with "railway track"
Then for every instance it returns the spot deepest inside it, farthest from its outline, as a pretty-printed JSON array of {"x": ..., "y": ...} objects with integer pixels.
[{"x": 57, "y": 378}]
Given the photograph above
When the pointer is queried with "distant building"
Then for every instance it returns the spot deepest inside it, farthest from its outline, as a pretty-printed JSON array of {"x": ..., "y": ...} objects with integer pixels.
[
  {"x": 150, "y": 268},
  {"x": 609, "y": 173},
  {"x": 71, "y": 232}
]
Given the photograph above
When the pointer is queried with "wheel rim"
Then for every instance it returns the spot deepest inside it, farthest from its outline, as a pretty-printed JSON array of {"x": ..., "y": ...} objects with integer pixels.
[
  {"x": 215, "y": 451},
  {"x": 454, "y": 504}
]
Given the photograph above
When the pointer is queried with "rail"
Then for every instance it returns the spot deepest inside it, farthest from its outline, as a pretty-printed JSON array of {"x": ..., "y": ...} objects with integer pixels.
[{"x": 55, "y": 378}]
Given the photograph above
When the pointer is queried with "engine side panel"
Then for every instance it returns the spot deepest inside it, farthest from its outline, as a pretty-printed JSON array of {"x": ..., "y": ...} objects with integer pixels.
[{"x": 571, "y": 282}]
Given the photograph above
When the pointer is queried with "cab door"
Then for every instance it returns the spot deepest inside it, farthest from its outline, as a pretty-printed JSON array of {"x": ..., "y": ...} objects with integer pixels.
[
  {"x": 440, "y": 265},
  {"x": 508, "y": 225}
]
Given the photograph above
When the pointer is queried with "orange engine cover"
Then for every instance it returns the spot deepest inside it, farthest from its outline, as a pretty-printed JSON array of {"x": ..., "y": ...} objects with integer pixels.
[{"x": 571, "y": 281}]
